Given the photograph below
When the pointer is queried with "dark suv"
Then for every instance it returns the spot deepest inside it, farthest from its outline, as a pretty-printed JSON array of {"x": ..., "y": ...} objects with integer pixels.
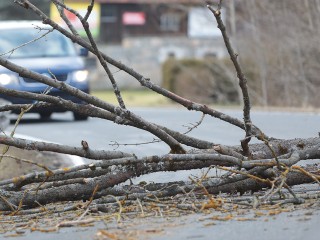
[{"x": 53, "y": 55}]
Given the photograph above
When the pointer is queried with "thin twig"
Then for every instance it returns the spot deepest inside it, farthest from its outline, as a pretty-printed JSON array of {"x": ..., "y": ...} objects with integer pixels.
[
  {"x": 143, "y": 81},
  {"x": 241, "y": 77},
  {"x": 24, "y": 44},
  {"x": 103, "y": 63},
  {"x": 96, "y": 188}
]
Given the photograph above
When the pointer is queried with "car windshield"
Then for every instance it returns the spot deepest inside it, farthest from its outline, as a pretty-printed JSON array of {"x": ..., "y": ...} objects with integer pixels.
[{"x": 53, "y": 44}]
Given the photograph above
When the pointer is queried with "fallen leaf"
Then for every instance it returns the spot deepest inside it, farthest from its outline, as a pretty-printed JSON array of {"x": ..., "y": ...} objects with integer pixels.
[{"x": 106, "y": 234}]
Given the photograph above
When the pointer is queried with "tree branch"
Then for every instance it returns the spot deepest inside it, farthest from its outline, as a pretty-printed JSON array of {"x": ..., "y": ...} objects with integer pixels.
[
  {"x": 122, "y": 113},
  {"x": 145, "y": 81},
  {"x": 241, "y": 77},
  {"x": 52, "y": 147}
]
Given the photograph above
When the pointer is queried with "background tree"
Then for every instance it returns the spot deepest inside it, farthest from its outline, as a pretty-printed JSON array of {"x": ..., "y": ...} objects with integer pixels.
[{"x": 277, "y": 41}]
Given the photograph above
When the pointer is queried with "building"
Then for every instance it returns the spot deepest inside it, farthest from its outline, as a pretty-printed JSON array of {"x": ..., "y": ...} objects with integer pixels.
[
  {"x": 139, "y": 33},
  {"x": 143, "y": 33},
  {"x": 113, "y": 20}
]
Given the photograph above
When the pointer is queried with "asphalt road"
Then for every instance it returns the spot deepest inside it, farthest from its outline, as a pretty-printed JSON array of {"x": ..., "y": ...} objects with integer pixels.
[{"x": 101, "y": 134}]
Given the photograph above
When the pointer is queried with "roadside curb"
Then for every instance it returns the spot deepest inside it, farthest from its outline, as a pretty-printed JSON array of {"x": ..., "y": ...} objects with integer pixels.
[{"x": 75, "y": 160}]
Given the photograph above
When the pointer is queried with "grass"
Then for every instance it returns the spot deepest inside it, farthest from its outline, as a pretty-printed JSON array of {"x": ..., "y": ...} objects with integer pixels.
[
  {"x": 144, "y": 98},
  {"x": 134, "y": 98},
  {"x": 148, "y": 98}
]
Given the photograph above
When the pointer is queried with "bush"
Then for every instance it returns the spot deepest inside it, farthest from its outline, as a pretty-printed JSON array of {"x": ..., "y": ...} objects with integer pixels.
[{"x": 205, "y": 80}]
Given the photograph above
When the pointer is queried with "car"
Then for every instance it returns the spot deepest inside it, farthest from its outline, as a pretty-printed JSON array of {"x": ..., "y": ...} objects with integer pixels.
[{"x": 54, "y": 55}]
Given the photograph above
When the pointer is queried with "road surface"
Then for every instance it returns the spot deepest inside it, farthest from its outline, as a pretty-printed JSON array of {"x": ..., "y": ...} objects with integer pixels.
[{"x": 101, "y": 134}]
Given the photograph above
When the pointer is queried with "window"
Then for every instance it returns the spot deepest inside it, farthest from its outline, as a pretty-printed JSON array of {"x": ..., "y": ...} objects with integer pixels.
[
  {"x": 170, "y": 22},
  {"x": 52, "y": 45}
]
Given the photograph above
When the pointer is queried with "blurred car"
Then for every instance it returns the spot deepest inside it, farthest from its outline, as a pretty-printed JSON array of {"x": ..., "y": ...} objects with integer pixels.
[{"x": 53, "y": 55}]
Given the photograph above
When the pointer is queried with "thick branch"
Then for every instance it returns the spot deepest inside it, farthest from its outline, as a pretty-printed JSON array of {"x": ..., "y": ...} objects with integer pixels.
[
  {"x": 92, "y": 111},
  {"x": 154, "y": 164},
  {"x": 52, "y": 147}
]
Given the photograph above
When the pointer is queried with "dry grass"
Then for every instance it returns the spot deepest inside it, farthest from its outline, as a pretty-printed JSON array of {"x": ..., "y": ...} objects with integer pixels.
[
  {"x": 146, "y": 98},
  {"x": 134, "y": 98}
]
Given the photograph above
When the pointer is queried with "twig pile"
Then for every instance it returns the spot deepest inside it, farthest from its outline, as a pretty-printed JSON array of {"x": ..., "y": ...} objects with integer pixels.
[{"x": 273, "y": 164}]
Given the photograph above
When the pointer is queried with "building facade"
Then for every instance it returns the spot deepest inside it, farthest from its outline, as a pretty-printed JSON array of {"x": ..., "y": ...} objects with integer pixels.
[
  {"x": 143, "y": 33},
  {"x": 118, "y": 19}
]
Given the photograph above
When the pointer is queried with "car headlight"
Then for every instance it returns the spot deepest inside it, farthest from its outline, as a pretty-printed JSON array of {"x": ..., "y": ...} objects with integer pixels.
[
  {"x": 80, "y": 76},
  {"x": 6, "y": 79}
]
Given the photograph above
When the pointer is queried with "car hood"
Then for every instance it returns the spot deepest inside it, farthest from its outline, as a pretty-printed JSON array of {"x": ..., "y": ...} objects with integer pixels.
[{"x": 56, "y": 64}]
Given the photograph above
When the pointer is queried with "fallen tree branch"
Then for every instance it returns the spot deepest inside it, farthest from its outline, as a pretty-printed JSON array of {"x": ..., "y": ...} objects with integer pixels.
[
  {"x": 272, "y": 164},
  {"x": 128, "y": 168},
  {"x": 53, "y": 147}
]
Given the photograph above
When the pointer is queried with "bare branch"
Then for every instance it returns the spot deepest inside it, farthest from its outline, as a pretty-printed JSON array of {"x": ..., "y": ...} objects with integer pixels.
[
  {"x": 103, "y": 63},
  {"x": 273, "y": 164},
  {"x": 66, "y": 20},
  {"x": 241, "y": 77},
  {"x": 78, "y": 151},
  {"x": 142, "y": 80},
  {"x": 122, "y": 113},
  {"x": 90, "y": 7},
  {"x": 22, "y": 45}
]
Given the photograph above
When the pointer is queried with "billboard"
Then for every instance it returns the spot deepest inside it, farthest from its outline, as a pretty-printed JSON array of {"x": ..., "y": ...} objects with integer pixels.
[
  {"x": 133, "y": 18},
  {"x": 81, "y": 8}
]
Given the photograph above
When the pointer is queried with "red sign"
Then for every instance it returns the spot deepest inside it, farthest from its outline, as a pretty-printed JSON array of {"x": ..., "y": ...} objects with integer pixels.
[
  {"x": 133, "y": 18},
  {"x": 70, "y": 15}
]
